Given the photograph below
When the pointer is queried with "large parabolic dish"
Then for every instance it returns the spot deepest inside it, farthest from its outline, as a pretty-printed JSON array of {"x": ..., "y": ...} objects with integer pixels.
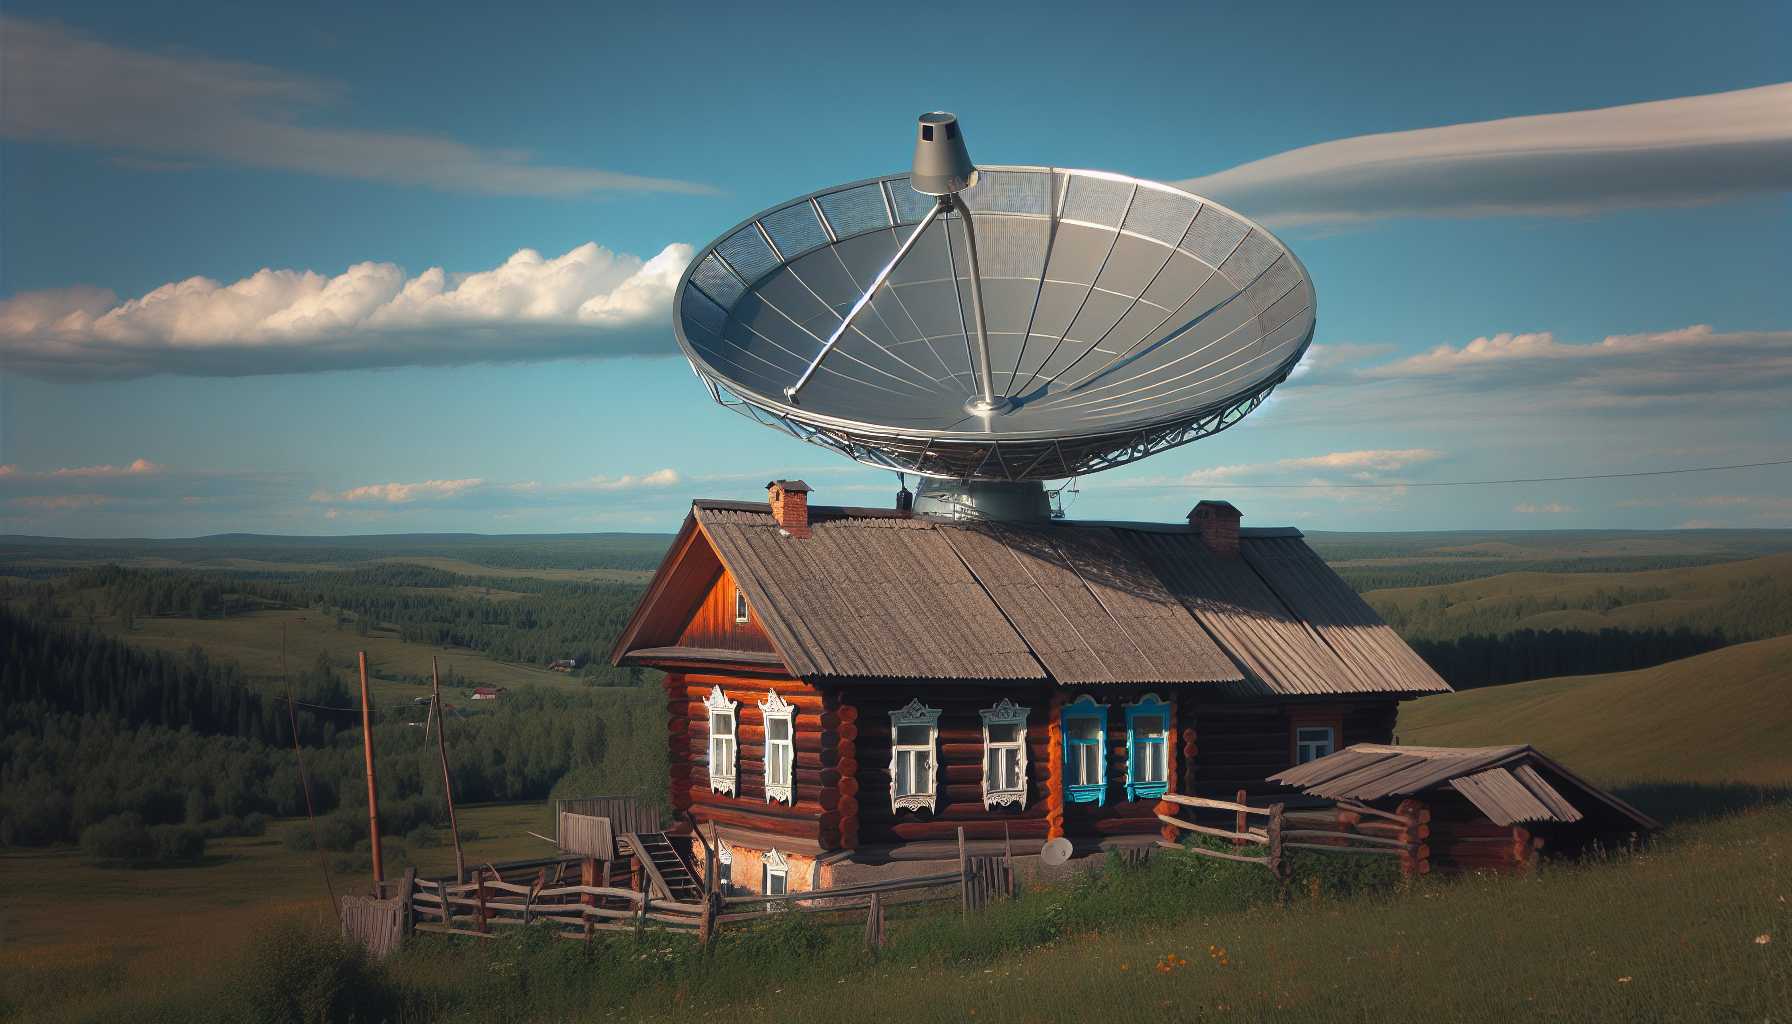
[{"x": 1124, "y": 317}]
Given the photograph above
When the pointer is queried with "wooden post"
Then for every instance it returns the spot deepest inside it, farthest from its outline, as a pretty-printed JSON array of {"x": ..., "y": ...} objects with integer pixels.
[
  {"x": 1277, "y": 866},
  {"x": 435, "y": 684},
  {"x": 1243, "y": 825},
  {"x": 479, "y": 899},
  {"x": 373, "y": 793},
  {"x": 407, "y": 893},
  {"x": 588, "y": 876},
  {"x": 874, "y": 925},
  {"x": 1054, "y": 768},
  {"x": 1008, "y": 859},
  {"x": 706, "y": 931},
  {"x": 964, "y": 877}
]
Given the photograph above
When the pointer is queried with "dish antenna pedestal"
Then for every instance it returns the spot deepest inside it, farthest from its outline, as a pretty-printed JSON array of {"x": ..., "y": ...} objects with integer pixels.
[{"x": 942, "y": 169}]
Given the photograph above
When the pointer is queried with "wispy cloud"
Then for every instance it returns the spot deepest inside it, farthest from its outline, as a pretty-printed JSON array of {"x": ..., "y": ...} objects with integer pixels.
[
  {"x": 589, "y": 302},
  {"x": 1548, "y": 508},
  {"x": 1676, "y": 152},
  {"x": 401, "y": 494},
  {"x": 167, "y": 112},
  {"x": 1524, "y": 373},
  {"x": 477, "y": 490}
]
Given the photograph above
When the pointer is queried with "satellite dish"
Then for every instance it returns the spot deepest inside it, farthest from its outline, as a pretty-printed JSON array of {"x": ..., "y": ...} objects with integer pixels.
[
  {"x": 999, "y": 324},
  {"x": 1055, "y": 852}
]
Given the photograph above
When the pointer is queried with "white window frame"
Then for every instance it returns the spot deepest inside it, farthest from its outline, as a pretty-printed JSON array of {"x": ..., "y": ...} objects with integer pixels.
[
  {"x": 725, "y": 866},
  {"x": 1301, "y": 745},
  {"x": 1005, "y": 712},
  {"x": 742, "y": 612},
  {"x": 774, "y": 866},
  {"x": 774, "y": 708},
  {"x": 723, "y": 777},
  {"x": 915, "y": 713}
]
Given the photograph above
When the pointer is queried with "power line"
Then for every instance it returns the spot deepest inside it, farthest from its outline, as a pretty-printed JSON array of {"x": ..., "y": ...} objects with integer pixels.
[{"x": 1217, "y": 485}]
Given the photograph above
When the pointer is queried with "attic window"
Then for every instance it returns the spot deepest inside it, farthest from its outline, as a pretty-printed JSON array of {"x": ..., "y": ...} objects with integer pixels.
[
  {"x": 914, "y": 730},
  {"x": 1004, "y": 754},
  {"x": 740, "y": 606}
]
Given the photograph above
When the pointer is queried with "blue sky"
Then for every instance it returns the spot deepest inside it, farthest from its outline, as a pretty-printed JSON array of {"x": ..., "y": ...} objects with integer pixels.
[{"x": 1609, "y": 292}]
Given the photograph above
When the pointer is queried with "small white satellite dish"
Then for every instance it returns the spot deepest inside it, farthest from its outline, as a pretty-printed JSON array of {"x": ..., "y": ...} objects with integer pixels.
[{"x": 1055, "y": 852}]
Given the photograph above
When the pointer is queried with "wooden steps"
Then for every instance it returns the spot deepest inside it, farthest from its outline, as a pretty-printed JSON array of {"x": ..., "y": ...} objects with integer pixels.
[{"x": 669, "y": 876}]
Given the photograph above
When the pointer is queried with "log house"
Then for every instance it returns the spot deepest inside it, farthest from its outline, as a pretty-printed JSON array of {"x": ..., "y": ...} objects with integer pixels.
[{"x": 847, "y": 687}]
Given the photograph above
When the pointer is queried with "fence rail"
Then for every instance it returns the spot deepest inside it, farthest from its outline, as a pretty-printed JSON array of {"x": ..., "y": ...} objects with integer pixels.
[
  {"x": 1348, "y": 827},
  {"x": 537, "y": 893}
]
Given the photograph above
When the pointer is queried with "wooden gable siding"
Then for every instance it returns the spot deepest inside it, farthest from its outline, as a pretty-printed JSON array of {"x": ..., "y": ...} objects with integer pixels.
[
  {"x": 959, "y": 783},
  {"x": 711, "y": 623},
  {"x": 812, "y": 814},
  {"x": 1239, "y": 746}
]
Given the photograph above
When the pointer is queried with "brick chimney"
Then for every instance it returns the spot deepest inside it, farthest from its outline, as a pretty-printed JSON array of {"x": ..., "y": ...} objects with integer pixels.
[
  {"x": 1217, "y": 522},
  {"x": 790, "y": 506}
]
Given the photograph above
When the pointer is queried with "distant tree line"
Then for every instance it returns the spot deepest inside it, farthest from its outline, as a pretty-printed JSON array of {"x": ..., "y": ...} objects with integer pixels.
[
  {"x": 1481, "y": 660},
  {"x": 105, "y": 744}
]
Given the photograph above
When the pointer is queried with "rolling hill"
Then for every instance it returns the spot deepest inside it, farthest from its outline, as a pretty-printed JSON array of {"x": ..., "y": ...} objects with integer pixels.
[
  {"x": 1725, "y": 716},
  {"x": 1745, "y": 600}
]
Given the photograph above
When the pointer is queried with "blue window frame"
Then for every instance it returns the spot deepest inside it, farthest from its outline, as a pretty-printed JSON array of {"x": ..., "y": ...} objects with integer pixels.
[
  {"x": 1147, "y": 748},
  {"x": 1085, "y": 726}
]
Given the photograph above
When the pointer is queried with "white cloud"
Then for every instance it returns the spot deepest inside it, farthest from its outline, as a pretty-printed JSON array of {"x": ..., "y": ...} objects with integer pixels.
[
  {"x": 1548, "y": 508},
  {"x": 168, "y": 112},
  {"x": 1378, "y": 459},
  {"x": 399, "y": 494},
  {"x": 587, "y": 302},
  {"x": 137, "y": 467},
  {"x": 1684, "y": 151},
  {"x": 1368, "y": 465}
]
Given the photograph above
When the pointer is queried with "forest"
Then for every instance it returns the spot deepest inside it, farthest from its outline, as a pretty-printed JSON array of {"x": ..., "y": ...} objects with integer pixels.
[{"x": 98, "y": 740}]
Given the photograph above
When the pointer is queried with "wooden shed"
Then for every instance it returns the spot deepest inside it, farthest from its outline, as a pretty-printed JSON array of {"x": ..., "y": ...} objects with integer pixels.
[
  {"x": 854, "y": 685},
  {"x": 1491, "y": 808}
]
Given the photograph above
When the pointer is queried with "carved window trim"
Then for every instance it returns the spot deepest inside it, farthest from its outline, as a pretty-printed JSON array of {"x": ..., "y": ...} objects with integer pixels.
[
  {"x": 774, "y": 709},
  {"x": 772, "y": 867},
  {"x": 1148, "y": 706},
  {"x": 1088, "y": 792},
  {"x": 915, "y": 713},
  {"x": 722, "y": 765},
  {"x": 1005, "y": 712},
  {"x": 725, "y": 866}
]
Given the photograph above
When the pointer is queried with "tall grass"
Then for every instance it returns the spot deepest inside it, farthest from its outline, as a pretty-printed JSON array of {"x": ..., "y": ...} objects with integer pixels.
[{"x": 1673, "y": 932}]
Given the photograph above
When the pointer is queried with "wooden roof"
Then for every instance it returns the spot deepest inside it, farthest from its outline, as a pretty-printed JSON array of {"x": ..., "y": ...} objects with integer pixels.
[
  {"x": 1509, "y": 784},
  {"x": 877, "y": 594}
]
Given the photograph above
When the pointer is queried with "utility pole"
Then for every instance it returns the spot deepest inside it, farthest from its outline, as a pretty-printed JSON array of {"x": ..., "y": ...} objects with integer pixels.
[
  {"x": 435, "y": 683},
  {"x": 373, "y": 793}
]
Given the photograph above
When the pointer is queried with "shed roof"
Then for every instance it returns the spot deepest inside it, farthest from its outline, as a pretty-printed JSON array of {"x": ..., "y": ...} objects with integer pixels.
[
  {"x": 875, "y": 593},
  {"x": 1509, "y": 784}
]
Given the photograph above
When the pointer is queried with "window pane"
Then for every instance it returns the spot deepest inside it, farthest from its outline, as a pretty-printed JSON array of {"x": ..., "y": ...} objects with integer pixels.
[
  {"x": 1082, "y": 728},
  {"x": 777, "y": 728},
  {"x": 1159, "y": 768},
  {"x": 992, "y": 767},
  {"x": 1004, "y": 733},
  {"x": 923, "y": 761},
  {"x": 914, "y": 735},
  {"x": 1010, "y": 768},
  {"x": 721, "y": 724},
  {"x": 1148, "y": 725},
  {"x": 905, "y": 774}
]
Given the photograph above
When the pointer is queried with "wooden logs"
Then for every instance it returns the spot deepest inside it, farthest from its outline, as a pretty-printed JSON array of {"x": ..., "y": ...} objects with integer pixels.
[
  {"x": 1171, "y": 833},
  {"x": 1054, "y": 760},
  {"x": 1417, "y": 860}
]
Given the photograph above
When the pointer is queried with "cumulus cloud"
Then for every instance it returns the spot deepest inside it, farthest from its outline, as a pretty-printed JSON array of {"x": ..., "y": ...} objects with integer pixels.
[
  {"x": 1676, "y": 152},
  {"x": 166, "y": 112},
  {"x": 587, "y": 302}
]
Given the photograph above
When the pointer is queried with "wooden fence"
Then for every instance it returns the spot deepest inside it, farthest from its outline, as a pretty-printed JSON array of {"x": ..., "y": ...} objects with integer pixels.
[
  {"x": 553, "y": 893},
  {"x": 1349, "y": 828}
]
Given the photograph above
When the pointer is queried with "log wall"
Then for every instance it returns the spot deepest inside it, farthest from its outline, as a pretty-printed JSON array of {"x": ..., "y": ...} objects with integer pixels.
[
  {"x": 812, "y": 814},
  {"x": 1241, "y": 745}
]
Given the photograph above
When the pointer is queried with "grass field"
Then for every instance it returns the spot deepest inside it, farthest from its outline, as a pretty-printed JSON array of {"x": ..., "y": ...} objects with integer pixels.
[
  {"x": 1725, "y": 716},
  {"x": 142, "y": 927},
  {"x": 1746, "y": 599},
  {"x": 399, "y": 670}
]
